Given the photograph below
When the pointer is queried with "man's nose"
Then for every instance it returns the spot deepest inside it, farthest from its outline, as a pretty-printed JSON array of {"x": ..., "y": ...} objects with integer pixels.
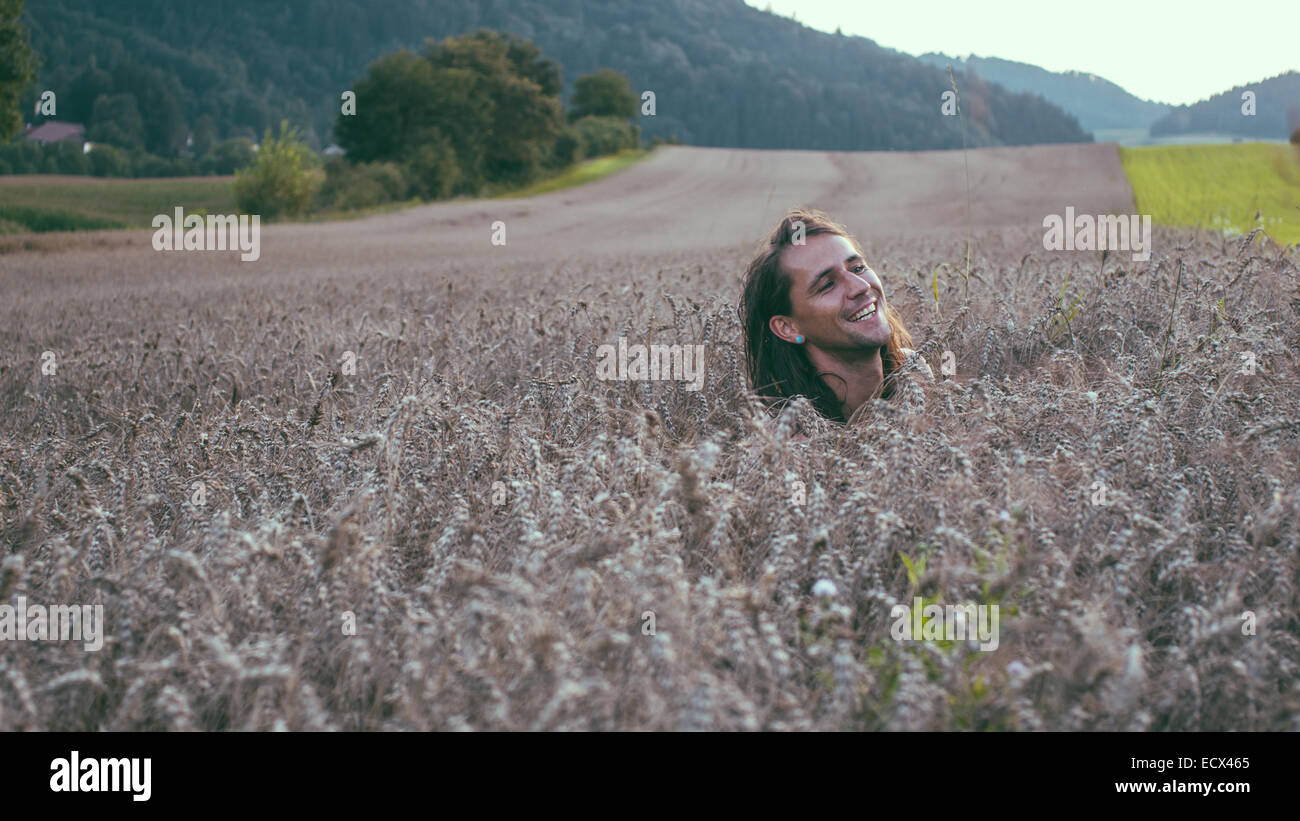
[{"x": 859, "y": 284}]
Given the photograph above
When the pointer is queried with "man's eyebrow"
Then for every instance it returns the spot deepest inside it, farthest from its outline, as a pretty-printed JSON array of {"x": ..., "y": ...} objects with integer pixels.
[{"x": 818, "y": 278}]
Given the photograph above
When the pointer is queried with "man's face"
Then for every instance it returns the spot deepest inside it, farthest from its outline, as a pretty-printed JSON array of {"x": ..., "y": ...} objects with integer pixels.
[{"x": 837, "y": 302}]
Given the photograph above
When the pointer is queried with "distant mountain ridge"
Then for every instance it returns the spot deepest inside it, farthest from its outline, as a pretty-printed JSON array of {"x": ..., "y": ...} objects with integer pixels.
[
  {"x": 1096, "y": 102},
  {"x": 1276, "y": 109},
  {"x": 724, "y": 73}
]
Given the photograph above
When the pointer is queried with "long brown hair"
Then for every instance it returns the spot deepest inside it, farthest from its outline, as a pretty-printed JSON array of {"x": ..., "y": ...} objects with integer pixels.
[{"x": 778, "y": 369}]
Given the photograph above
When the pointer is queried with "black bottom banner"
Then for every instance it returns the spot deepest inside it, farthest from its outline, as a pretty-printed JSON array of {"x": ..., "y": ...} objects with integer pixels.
[{"x": 335, "y": 772}]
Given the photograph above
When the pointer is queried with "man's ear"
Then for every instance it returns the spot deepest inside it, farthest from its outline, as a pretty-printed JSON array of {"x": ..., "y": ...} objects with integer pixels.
[{"x": 783, "y": 328}]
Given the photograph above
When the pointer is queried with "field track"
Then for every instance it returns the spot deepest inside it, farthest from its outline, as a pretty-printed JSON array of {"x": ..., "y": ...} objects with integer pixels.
[{"x": 682, "y": 199}]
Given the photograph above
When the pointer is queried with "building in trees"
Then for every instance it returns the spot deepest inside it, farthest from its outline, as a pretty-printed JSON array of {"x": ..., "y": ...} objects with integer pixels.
[{"x": 53, "y": 131}]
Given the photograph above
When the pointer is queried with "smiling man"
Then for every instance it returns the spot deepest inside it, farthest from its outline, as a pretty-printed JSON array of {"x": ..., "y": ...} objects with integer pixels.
[{"x": 816, "y": 320}]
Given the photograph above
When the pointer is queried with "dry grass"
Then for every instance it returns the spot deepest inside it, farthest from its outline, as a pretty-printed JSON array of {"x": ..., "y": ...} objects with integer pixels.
[{"x": 373, "y": 493}]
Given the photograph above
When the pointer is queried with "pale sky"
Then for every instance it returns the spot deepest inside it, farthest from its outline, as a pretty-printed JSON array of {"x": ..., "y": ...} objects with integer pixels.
[{"x": 1164, "y": 50}]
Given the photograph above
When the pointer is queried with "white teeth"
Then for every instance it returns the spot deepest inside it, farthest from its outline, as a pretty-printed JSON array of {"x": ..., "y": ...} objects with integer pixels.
[{"x": 870, "y": 310}]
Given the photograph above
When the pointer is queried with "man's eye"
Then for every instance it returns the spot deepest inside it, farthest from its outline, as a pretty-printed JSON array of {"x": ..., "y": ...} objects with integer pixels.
[
  {"x": 860, "y": 269},
  {"x": 826, "y": 286}
]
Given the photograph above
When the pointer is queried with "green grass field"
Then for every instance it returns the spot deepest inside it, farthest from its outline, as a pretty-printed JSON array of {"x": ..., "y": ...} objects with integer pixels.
[
  {"x": 583, "y": 172},
  {"x": 1219, "y": 186},
  {"x": 44, "y": 202},
  {"x": 39, "y": 203}
]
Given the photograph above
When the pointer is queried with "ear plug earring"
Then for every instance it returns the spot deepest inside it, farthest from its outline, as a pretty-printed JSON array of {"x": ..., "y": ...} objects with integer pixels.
[{"x": 799, "y": 339}]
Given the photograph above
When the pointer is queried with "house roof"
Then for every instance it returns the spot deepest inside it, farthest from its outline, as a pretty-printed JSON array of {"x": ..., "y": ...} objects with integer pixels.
[{"x": 53, "y": 132}]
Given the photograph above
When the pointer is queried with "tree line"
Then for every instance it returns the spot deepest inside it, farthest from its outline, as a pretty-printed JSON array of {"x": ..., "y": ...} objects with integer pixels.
[
  {"x": 724, "y": 73},
  {"x": 470, "y": 113},
  {"x": 479, "y": 110}
]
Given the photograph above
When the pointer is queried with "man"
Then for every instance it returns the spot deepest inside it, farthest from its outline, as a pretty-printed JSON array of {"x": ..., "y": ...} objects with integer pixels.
[{"x": 816, "y": 320}]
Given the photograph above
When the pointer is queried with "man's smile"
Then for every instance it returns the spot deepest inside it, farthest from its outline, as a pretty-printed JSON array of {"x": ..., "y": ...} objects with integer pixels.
[{"x": 865, "y": 312}]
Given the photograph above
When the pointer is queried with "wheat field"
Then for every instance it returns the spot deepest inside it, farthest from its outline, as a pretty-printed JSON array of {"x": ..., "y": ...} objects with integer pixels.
[{"x": 420, "y": 509}]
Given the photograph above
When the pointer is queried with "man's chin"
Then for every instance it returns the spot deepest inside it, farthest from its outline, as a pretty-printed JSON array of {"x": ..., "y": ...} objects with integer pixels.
[{"x": 874, "y": 338}]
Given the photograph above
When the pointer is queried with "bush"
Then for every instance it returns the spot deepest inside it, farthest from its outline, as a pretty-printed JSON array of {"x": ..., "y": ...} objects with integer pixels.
[
  {"x": 351, "y": 191},
  {"x": 38, "y": 220},
  {"x": 432, "y": 169},
  {"x": 27, "y": 157},
  {"x": 568, "y": 148},
  {"x": 229, "y": 156},
  {"x": 657, "y": 141},
  {"x": 388, "y": 176},
  {"x": 151, "y": 165},
  {"x": 284, "y": 179},
  {"x": 605, "y": 135},
  {"x": 69, "y": 158},
  {"x": 21, "y": 157},
  {"x": 107, "y": 161},
  {"x": 349, "y": 187},
  {"x": 340, "y": 181}
]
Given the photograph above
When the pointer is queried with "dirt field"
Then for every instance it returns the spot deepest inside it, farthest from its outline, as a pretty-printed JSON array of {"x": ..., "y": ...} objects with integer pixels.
[
  {"x": 687, "y": 199},
  {"x": 468, "y": 528}
]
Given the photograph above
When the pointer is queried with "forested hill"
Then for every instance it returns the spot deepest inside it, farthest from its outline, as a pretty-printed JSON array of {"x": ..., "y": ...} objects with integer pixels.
[
  {"x": 1095, "y": 101},
  {"x": 724, "y": 73},
  {"x": 1274, "y": 114}
]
